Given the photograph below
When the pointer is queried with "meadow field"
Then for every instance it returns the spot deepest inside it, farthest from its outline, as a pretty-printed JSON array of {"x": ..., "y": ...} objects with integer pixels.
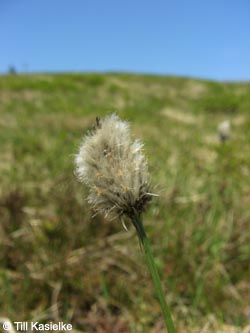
[{"x": 57, "y": 263}]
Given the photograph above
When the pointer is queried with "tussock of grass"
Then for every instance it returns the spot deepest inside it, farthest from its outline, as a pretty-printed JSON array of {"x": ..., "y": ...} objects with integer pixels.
[{"x": 58, "y": 263}]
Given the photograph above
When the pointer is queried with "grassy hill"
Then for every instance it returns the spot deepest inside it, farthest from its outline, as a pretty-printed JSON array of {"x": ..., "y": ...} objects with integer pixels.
[{"x": 57, "y": 263}]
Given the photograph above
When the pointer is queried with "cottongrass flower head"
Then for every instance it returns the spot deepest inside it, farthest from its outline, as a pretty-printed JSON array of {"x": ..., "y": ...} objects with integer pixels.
[
  {"x": 114, "y": 168},
  {"x": 224, "y": 130}
]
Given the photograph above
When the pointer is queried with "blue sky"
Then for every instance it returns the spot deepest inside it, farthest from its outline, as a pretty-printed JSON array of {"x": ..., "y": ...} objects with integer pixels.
[{"x": 206, "y": 39}]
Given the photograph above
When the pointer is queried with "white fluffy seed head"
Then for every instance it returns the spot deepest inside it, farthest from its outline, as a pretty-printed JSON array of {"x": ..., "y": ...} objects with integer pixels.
[
  {"x": 114, "y": 168},
  {"x": 224, "y": 130}
]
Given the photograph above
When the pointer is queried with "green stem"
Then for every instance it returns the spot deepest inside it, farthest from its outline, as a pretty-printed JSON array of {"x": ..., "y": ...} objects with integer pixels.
[{"x": 137, "y": 222}]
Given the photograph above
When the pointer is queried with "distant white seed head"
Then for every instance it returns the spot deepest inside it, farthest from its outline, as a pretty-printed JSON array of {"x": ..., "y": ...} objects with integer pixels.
[
  {"x": 224, "y": 130},
  {"x": 114, "y": 168}
]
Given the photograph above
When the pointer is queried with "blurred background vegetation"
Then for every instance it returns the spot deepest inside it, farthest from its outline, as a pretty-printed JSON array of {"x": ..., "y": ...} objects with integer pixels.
[{"x": 58, "y": 263}]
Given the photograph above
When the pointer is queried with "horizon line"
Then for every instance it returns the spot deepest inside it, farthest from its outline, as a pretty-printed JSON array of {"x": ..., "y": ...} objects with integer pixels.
[{"x": 121, "y": 72}]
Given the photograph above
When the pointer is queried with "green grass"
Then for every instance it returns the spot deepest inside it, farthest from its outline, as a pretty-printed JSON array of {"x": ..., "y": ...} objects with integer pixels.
[{"x": 59, "y": 263}]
